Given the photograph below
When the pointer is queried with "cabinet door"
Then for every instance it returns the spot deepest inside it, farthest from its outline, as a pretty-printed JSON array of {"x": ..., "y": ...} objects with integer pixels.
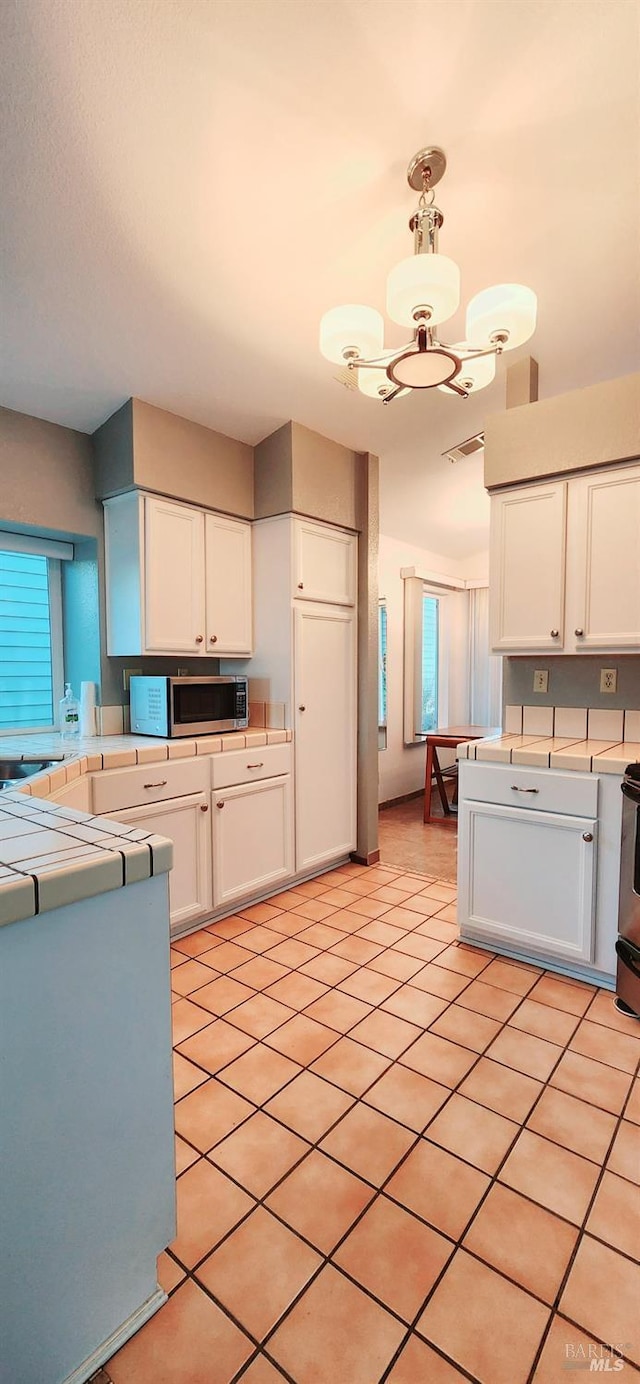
[
  {"x": 325, "y": 734},
  {"x": 174, "y": 578},
  {"x": 527, "y": 568},
  {"x": 228, "y": 585},
  {"x": 324, "y": 564},
  {"x": 526, "y": 880},
  {"x": 252, "y": 838},
  {"x": 603, "y": 598},
  {"x": 185, "y": 821}
]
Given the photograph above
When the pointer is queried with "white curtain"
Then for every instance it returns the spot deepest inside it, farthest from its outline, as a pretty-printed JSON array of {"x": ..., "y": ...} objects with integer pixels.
[{"x": 485, "y": 670}]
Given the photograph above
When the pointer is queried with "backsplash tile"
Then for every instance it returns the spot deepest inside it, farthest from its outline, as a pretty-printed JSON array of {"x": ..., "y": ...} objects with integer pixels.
[
  {"x": 513, "y": 720},
  {"x": 537, "y": 720},
  {"x": 275, "y": 713},
  {"x": 257, "y": 715},
  {"x": 571, "y": 720},
  {"x": 110, "y": 720},
  {"x": 605, "y": 725},
  {"x": 632, "y": 725}
]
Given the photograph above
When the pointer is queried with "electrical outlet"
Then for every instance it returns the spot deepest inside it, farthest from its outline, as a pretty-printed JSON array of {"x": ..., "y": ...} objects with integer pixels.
[
  {"x": 608, "y": 679},
  {"x": 541, "y": 680},
  {"x": 182, "y": 673},
  {"x": 128, "y": 673}
]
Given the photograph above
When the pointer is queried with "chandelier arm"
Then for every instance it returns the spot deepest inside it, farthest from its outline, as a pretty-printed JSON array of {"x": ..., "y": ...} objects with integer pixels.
[
  {"x": 388, "y": 398},
  {"x": 471, "y": 354},
  {"x": 378, "y": 361},
  {"x": 456, "y": 389}
]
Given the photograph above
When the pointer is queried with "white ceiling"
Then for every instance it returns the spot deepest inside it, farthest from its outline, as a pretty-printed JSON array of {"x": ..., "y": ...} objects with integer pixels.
[{"x": 188, "y": 184}]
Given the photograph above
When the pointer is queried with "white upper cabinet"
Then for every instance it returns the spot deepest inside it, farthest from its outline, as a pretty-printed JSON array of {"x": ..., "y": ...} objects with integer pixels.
[
  {"x": 173, "y": 577},
  {"x": 324, "y": 562},
  {"x": 178, "y": 579},
  {"x": 527, "y": 564},
  {"x": 603, "y": 562},
  {"x": 228, "y": 585},
  {"x": 565, "y": 565}
]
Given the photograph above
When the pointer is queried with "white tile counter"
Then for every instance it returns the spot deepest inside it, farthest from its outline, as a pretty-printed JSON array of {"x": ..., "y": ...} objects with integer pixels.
[
  {"x": 585, "y": 756},
  {"x": 52, "y": 854}
]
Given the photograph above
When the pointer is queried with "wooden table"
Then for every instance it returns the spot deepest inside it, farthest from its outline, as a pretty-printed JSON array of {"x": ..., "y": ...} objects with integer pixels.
[{"x": 447, "y": 738}]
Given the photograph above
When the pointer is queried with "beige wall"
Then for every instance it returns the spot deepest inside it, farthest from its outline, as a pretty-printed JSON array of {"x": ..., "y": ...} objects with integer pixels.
[
  {"x": 324, "y": 478},
  {"x": 148, "y": 447},
  {"x": 273, "y": 474},
  {"x": 589, "y": 427},
  {"x": 46, "y": 478}
]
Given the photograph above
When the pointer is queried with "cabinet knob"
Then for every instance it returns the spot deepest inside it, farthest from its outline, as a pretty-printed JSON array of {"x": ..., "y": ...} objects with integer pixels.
[
  {"x": 220, "y": 804},
  {"x": 554, "y": 633},
  {"x": 213, "y": 639},
  {"x": 204, "y": 807},
  {"x": 579, "y": 633},
  {"x": 300, "y": 586},
  {"x": 587, "y": 836},
  {"x": 302, "y": 708},
  {"x": 199, "y": 639}
]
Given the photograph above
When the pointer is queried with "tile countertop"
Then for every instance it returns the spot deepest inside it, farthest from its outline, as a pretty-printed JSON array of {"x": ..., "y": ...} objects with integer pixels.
[
  {"x": 585, "y": 756},
  {"x": 51, "y": 854}
]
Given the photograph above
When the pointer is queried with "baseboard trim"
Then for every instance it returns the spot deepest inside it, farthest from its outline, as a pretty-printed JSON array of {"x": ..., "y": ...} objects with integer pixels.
[
  {"x": 117, "y": 1338},
  {"x": 371, "y": 858},
  {"x": 405, "y": 798}
]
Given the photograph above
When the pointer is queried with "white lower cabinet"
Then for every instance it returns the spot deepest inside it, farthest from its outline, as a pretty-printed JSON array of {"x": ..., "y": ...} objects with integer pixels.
[
  {"x": 252, "y": 838},
  {"x": 527, "y": 874},
  {"x": 186, "y": 822}
]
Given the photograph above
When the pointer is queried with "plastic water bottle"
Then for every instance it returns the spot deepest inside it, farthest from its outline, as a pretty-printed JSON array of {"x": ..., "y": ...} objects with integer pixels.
[{"x": 69, "y": 714}]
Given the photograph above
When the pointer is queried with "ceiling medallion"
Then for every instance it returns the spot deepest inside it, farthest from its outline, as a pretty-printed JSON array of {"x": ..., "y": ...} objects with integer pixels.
[{"x": 423, "y": 291}]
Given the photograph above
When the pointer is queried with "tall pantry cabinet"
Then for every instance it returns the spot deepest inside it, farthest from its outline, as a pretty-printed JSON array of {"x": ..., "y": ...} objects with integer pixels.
[{"x": 305, "y": 576}]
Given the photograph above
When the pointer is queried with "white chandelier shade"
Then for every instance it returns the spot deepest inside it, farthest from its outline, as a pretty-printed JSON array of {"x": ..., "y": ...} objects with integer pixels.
[
  {"x": 506, "y": 312},
  {"x": 430, "y": 282},
  {"x": 474, "y": 374},
  {"x": 351, "y": 330},
  {"x": 423, "y": 290}
]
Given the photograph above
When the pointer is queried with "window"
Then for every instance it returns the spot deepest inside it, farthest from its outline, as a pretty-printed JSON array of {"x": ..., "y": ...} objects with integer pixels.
[
  {"x": 30, "y": 634},
  {"x": 430, "y": 662},
  {"x": 382, "y": 675}
]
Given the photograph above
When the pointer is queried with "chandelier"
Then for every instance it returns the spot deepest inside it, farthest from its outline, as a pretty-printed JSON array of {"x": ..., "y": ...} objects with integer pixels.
[{"x": 423, "y": 291}]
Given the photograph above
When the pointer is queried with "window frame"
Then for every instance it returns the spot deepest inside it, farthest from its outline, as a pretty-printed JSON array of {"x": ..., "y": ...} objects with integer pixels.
[
  {"x": 415, "y": 587},
  {"x": 55, "y": 552}
]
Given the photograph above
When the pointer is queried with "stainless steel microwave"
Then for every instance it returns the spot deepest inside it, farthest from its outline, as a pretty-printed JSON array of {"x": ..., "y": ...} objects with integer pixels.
[{"x": 188, "y": 706}]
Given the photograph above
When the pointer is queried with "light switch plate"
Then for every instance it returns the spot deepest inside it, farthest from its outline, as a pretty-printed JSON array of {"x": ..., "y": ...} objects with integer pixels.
[
  {"x": 128, "y": 673},
  {"x": 608, "y": 679},
  {"x": 541, "y": 680}
]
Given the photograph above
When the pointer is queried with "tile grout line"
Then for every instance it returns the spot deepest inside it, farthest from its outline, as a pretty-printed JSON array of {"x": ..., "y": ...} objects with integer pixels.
[{"x": 361, "y": 1099}]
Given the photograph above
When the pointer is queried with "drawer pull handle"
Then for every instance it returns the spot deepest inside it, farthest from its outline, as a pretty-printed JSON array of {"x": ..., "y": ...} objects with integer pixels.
[
  {"x": 554, "y": 633},
  {"x": 161, "y": 784},
  {"x": 587, "y": 836},
  {"x": 579, "y": 633},
  {"x": 516, "y": 789},
  {"x": 256, "y": 766},
  {"x": 220, "y": 804}
]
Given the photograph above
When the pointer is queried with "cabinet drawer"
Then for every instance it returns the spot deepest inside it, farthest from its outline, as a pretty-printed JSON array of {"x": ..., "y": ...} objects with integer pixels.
[
  {"x": 246, "y": 766},
  {"x": 115, "y": 788},
  {"x": 545, "y": 790}
]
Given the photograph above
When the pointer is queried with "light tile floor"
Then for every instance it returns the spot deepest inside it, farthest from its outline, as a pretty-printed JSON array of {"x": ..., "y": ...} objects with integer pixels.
[{"x": 399, "y": 1158}]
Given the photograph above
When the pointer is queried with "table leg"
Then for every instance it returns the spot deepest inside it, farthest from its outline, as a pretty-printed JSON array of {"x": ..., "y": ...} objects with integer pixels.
[
  {"x": 428, "y": 774},
  {"x": 440, "y": 782}
]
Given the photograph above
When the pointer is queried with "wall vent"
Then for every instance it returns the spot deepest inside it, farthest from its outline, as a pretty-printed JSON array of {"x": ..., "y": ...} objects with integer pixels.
[{"x": 466, "y": 448}]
